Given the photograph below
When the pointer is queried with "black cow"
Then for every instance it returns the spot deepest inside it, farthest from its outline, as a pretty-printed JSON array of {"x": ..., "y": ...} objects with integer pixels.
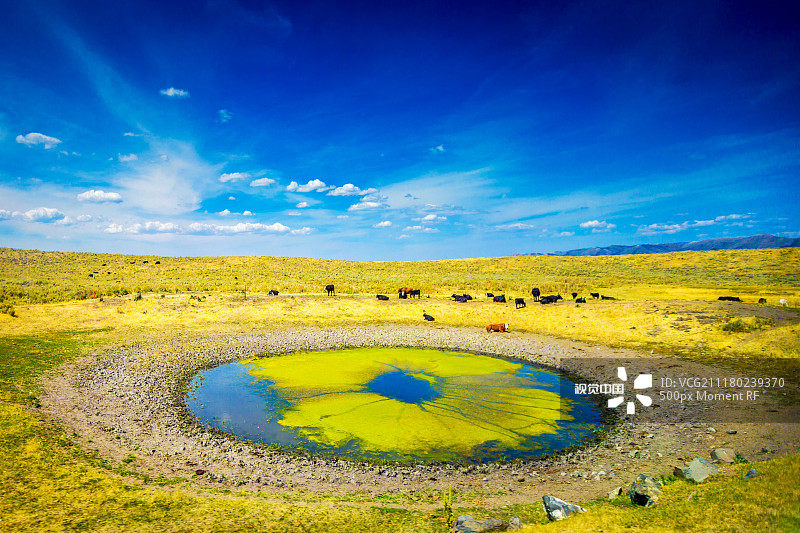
[
  {"x": 467, "y": 296},
  {"x": 489, "y": 295},
  {"x": 415, "y": 292},
  {"x": 272, "y": 292},
  {"x": 501, "y": 299},
  {"x": 580, "y": 300},
  {"x": 594, "y": 295},
  {"x": 536, "y": 293},
  {"x": 574, "y": 295},
  {"x": 158, "y": 262},
  {"x": 762, "y": 300},
  {"x": 604, "y": 297},
  {"x": 460, "y": 298},
  {"x": 382, "y": 297},
  {"x": 330, "y": 290},
  {"x": 519, "y": 302},
  {"x": 551, "y": 299},
  {"x": 427, "y": 317},
  {"x": 729, "y": 298}
]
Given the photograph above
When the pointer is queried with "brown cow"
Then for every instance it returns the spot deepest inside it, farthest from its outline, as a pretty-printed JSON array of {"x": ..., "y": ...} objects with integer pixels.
[
  {"x": 496, "y": 327},
  {"x": 403, "y": 292}
]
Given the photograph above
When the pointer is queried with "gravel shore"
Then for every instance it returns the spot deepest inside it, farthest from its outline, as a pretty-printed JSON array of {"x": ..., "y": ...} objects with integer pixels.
[{"x": 130, "y": 400}]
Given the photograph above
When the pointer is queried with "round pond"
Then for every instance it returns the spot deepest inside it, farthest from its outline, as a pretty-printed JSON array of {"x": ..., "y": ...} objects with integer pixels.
[{"x": 395, "y": 404}]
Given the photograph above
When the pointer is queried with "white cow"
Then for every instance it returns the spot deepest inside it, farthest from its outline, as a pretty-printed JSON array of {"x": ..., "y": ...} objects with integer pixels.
[{"x": 783, "y": 302}]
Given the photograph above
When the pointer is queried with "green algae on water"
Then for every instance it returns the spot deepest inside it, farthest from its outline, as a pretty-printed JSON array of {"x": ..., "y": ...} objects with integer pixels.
[{"x": 409, "y": 404}]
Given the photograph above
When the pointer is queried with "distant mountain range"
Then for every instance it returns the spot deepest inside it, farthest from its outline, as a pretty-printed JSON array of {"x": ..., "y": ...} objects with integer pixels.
[{"x": 730, "y": 243}]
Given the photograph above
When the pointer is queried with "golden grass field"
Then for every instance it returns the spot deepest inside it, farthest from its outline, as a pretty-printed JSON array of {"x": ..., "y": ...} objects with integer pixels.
[{"x": 666, "y": 303}]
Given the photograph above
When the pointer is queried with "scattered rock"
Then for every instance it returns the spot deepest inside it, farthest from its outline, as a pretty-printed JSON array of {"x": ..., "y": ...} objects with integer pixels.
[
  {"x": 751, "y": 473},
  {"x": 731, "y": 432},
  {"x": 614, "y": 493},
  {"x": 199, "y": 472},
  {"x": 467, "y": 524},
  {"x": 514, "y": 524},
  {"x": 697, "y": 471},
  {"x": 723, "y": 455},
  {"x": 557, "y": 509},
  {"x": 645, "y": 491}
]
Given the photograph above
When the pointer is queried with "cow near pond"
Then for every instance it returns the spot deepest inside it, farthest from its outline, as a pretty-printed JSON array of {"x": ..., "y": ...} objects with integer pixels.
[
  {"x": 330, "y": 289},
  {"x": 535, "y": 292},
  {"x": 519, "y": 302}
]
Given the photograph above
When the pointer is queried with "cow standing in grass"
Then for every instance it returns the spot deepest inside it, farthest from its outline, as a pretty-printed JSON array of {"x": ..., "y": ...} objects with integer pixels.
[
  {"x": 330, "y": 289},
  {"x": 536, "y": 293},
  {"x": 519, "y": 302},
  {"x": 500, "y": 328}
]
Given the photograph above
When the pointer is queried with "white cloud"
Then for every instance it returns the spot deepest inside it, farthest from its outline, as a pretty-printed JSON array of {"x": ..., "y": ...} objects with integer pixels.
[
  {"x": 154, "y": 227},
  {"x": 421, "y": 229},
  {"x": 5, "y": 214},
  {"x": 114, "y": 228},
  {"x": 515, "y": 226},
  {"x": 431, "y": 218},
  {"x": 231, "y": 198},
  {"x": 348, "y": 189},
  {"x": 234, "y": 176},
  {"x": 363, "y": 206},
  {"x": 172, "y": 92},
  {"x": 43, "y": 214},
  {"x": 98, "y": 196},
  {"x": 294, "y": 213},
  {"x": 262, "y": 182},
  {"x": 242, "y": 227},
  {"x": 223, "y": 115},
  {"x": 301, "y": 231},
  {"x": 312, "y": 185},
  {"x": 85, "y": 218},
  {"x": 302, "y": 205},
  {"x": 33, "y": 139},
  {"x": 565, "y": 234},
  {"x": 342, "y": 217},
  {"x": 383, "y": 224},
  {"x": 225, "y": 212},
  {"x": 126, "y": 158},
  {"x": 670, "y": 229},
  {"x": 248, "y": 213},
  {"x": 438, "y": 149},
  {"x": 598, "y": 226}
]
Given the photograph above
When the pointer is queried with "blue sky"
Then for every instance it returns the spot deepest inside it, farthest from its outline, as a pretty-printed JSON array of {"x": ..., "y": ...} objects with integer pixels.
[{"x": 425, "y": 130}]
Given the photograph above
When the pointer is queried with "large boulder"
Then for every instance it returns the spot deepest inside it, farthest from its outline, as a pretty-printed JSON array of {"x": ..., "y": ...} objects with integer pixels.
[
  {"x": 559, "y": 509},
  {"x": 645, "y": 491},
  {"x": 697, "y": 471}
]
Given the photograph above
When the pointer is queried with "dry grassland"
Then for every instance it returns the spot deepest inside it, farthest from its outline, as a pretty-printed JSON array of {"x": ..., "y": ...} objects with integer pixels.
[{"x": 666, "y": 303}]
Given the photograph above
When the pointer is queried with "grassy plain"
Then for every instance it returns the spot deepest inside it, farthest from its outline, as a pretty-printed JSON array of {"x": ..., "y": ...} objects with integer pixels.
[{"x": 666, "y": 303}]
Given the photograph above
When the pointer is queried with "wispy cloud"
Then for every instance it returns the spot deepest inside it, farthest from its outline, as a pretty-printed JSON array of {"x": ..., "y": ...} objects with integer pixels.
[
  {"x": 33, "y": 139},
  {"x": 431, "y": 218},
  {"x": 172, "y": 92},
  {"x": 99, "y": 196},
  {"x": 672, "y": 228},
  {"x": 224, "y": 116},
  {"x": 126, "y": 158},
  {"x": 515, "y": 226},
  {"x": 42, "y": 214},
  {"x": 242, "y": 227},
  {"x": 382, "y": 224},
  {"x": 234, "y": 176},
  {"x": 438, "y": 149},
  {"x": 421, "y": 229},
  {"x": 301, "y": 205}
]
